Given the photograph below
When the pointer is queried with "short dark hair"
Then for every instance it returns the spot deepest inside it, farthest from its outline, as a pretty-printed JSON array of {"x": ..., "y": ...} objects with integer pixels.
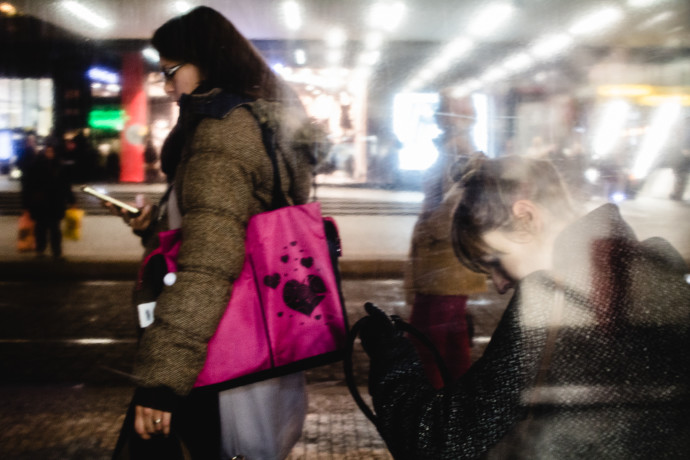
[
  {"x": 226, "y": 59},
  {"x": 490, "y": 187}
]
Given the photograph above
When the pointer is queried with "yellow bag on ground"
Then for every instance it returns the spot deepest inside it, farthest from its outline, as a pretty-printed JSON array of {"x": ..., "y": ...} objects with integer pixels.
[
  {"x": 73, "y": 220},
  {"x": 25, "y": 233}
]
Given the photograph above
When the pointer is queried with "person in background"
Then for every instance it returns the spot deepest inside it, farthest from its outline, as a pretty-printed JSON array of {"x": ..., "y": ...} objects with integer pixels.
[
  {"x": 437, "y": 283},
  {"x": 28, "y": 152},
  {"x": 47, "y": 194},
  {"x": 220, "y": 175},
  {"x": 151, "y": 161},
  {"x": 590, "y": 357},
  {"x": 84, "y": 158},
  {"x": 681, "y": 171},
  {"x": 574, "y": 169}
]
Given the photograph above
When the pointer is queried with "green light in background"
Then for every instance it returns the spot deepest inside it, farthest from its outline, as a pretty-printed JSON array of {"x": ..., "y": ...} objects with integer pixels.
[{"x": 112, "y": 119}]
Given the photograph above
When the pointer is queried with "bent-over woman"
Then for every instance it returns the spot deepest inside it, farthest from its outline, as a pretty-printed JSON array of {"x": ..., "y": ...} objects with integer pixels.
[{"x": 590, "y": 357}]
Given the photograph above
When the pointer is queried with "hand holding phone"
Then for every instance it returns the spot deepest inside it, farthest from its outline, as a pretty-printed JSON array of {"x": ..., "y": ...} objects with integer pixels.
[{"x": 108, "y": 199}]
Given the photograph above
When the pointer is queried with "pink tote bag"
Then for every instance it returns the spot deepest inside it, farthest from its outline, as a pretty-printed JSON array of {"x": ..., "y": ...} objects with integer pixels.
[{"x": 286, "y": 311}]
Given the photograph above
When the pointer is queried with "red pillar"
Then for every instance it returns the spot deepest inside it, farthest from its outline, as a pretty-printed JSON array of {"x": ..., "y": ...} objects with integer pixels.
[{"x": 134, "y": 102}]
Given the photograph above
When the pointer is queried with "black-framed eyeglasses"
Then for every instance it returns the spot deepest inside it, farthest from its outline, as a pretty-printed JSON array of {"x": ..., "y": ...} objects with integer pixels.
[{"x": 168, "y": 74}]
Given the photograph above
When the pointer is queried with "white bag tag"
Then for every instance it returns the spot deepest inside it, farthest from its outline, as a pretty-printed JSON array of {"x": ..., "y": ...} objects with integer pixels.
[{"x": 146, "y": 313}]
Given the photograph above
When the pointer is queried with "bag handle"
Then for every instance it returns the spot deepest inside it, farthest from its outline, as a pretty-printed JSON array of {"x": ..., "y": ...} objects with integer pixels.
[
  {"x": 401, "y": 326},
  {"x": 268, "y": 137}
]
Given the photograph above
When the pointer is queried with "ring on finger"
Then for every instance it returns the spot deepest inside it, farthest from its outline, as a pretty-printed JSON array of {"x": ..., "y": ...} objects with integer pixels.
[{"x": 157, "y": 421}]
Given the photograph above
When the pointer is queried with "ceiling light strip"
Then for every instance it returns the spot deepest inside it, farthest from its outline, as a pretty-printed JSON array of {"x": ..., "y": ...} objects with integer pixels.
[{"x": 85, "y": 14}]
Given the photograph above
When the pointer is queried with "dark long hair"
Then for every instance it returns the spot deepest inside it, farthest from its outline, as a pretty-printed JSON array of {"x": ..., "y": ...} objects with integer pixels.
[{"x": 226, "y": 59}]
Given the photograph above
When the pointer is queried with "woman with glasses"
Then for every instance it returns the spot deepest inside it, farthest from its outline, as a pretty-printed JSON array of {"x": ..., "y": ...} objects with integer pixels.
[
  {"x": 220, "y": 175},
  {"x": 590, "y": 357}
]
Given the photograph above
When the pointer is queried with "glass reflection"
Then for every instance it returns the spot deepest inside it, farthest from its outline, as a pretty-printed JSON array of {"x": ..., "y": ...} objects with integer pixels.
[{"x": 600, "y": 89}]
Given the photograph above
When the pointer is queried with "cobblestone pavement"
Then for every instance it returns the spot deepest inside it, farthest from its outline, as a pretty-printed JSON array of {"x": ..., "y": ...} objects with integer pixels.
[
  {"x": 336, "y": 429},
  {"x": 82, "y": 422},
  {"x": 55, "y": 419}
]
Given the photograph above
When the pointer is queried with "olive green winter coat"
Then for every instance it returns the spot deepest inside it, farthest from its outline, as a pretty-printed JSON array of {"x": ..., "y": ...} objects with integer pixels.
[{"x": 223, "y": 178}]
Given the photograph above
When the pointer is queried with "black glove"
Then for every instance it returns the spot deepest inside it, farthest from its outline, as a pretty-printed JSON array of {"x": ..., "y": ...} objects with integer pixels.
[{"x": 377, "y": 330}]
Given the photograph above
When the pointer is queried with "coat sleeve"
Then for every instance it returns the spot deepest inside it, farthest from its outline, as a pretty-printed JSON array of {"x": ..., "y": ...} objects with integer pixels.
[
  {"x": 464, "y": 420},
  {"x": 218, "y": 184}
]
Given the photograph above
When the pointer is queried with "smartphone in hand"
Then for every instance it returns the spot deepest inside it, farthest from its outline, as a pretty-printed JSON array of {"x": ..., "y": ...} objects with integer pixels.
[{"x": 107, "y": 198}]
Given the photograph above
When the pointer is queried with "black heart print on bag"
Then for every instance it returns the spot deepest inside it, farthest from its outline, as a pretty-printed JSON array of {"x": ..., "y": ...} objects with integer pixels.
[{"x": 303, "y": 295}]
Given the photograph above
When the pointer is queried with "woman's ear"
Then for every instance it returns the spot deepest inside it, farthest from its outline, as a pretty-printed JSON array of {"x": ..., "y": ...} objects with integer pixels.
[{"x": 528, "y": 217}]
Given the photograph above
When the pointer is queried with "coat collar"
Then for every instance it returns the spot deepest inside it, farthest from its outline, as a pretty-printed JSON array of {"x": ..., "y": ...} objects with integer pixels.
[
  {"x": 213, "y": 103},
  {"x": 577, "y": 245}
]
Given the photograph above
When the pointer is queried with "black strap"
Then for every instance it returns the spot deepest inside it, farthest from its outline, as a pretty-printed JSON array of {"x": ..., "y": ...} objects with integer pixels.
[
  {"x": 268, "y": 136},
  {"x": 424, "y": 340},
  {"x": 402, "y": 326},
  {"x": 349, "y": 373}
]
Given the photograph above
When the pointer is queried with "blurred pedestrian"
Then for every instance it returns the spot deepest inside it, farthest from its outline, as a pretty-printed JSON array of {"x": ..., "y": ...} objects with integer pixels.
[
  {"x": 220, "y": 175},
  {"x": 681, "y": 170},
  {"x": 86, "y": 159},
  {"x": 438, "y": 285},
  {"x": 590, "y": 357},
  {"x": 47, "y": 194},
  {"x": 574, "y": 171},
  {"x": 151, "y": 161},
  {"x": 112, "y": 167},
  {"x": 455, "y": 117},
  {"x": 27, "y": 152}
]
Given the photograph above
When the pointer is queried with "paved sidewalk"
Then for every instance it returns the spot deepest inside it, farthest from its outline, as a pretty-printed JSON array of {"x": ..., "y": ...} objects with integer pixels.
[
  {"x": 82, "y": 423},
  {"x": 76, "y": 422},
  {"x": 373, "y": 245},
  {"x": 80, "y": 418}
]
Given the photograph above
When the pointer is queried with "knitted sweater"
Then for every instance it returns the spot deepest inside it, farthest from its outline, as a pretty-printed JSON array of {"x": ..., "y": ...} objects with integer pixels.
[{"x": 610, "y": 324}]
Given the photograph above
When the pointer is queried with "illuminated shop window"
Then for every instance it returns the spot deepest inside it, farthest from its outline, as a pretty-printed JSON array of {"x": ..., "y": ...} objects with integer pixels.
[{"x": 26, "y": 104}]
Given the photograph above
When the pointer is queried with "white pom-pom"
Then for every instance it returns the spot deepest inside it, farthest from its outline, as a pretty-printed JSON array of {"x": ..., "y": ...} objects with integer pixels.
[{"x": 170, "y": 279}]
